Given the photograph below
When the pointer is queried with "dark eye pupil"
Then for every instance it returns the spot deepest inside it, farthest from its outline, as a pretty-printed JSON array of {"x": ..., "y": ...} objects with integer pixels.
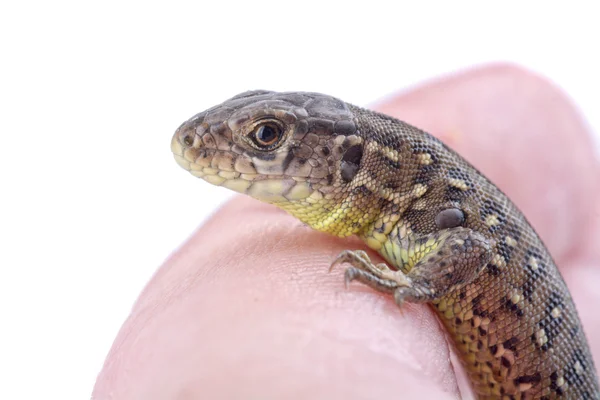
[{"x": 266, "y": 134}]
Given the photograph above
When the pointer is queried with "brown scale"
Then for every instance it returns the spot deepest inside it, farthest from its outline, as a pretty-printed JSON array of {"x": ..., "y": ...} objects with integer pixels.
[{"x": 486, "y": 272}]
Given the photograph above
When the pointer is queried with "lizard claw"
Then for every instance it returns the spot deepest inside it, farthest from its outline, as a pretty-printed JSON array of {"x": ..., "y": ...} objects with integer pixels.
[
  {"x": 337, "y": 261},
  {"x": 350, "y": 274},
  {"x": 343, "y": 257}
]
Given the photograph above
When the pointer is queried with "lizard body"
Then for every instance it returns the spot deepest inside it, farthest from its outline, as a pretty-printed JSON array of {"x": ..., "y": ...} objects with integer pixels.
[{"x": 451, "y": 237}]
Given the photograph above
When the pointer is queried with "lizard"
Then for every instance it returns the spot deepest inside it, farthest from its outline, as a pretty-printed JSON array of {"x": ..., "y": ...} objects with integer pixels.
[{"x": 449, "y": 236}]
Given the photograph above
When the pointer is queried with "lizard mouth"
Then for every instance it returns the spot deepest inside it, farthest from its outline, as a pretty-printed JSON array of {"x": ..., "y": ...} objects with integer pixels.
[{"x": 218, "y": 167}]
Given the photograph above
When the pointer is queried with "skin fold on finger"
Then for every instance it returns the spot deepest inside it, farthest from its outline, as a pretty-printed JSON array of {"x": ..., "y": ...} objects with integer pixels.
[{"x": 246, "y": 308}]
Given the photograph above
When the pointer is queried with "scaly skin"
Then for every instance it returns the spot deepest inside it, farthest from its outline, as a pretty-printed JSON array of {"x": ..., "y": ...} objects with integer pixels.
[{"x": 451, "y": 237}]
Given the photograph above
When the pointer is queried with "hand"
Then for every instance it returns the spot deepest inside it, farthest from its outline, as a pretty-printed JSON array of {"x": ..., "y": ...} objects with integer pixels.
[{"x": 246, "y": 308}]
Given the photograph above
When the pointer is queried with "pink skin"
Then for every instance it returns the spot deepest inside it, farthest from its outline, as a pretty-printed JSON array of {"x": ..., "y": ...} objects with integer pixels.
[{"x": 246, "y": 308}]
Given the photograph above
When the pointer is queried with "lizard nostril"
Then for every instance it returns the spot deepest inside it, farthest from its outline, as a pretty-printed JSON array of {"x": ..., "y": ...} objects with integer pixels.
[{"x": 187, "y": 138}]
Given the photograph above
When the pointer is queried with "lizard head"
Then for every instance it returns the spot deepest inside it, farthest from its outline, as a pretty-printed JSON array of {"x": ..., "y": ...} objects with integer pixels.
[{"x": 299, "y": 151}]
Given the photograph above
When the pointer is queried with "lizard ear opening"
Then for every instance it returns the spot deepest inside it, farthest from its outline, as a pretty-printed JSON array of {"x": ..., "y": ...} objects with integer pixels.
[
  {"x": 351, "y": 162},
  {"x": 450, "y": 218}
]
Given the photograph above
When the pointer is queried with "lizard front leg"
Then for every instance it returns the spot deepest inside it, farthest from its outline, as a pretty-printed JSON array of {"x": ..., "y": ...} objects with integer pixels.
[{"x": 429, "y": 266}]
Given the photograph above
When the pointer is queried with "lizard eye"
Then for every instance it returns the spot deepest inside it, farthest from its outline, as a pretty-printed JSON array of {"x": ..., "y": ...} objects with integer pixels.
[{"x": 267, "y": 135}]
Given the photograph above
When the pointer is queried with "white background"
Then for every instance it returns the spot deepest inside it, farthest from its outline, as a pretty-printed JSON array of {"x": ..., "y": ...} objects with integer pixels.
[{"x": 91, "y": 200}]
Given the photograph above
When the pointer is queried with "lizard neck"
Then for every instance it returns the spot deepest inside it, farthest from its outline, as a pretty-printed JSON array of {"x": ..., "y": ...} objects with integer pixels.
[{"x": 342, "y": 217}]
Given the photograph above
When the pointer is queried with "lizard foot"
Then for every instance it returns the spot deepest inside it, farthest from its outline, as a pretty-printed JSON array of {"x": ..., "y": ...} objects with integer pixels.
[{"x": 378, "y": 276}]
